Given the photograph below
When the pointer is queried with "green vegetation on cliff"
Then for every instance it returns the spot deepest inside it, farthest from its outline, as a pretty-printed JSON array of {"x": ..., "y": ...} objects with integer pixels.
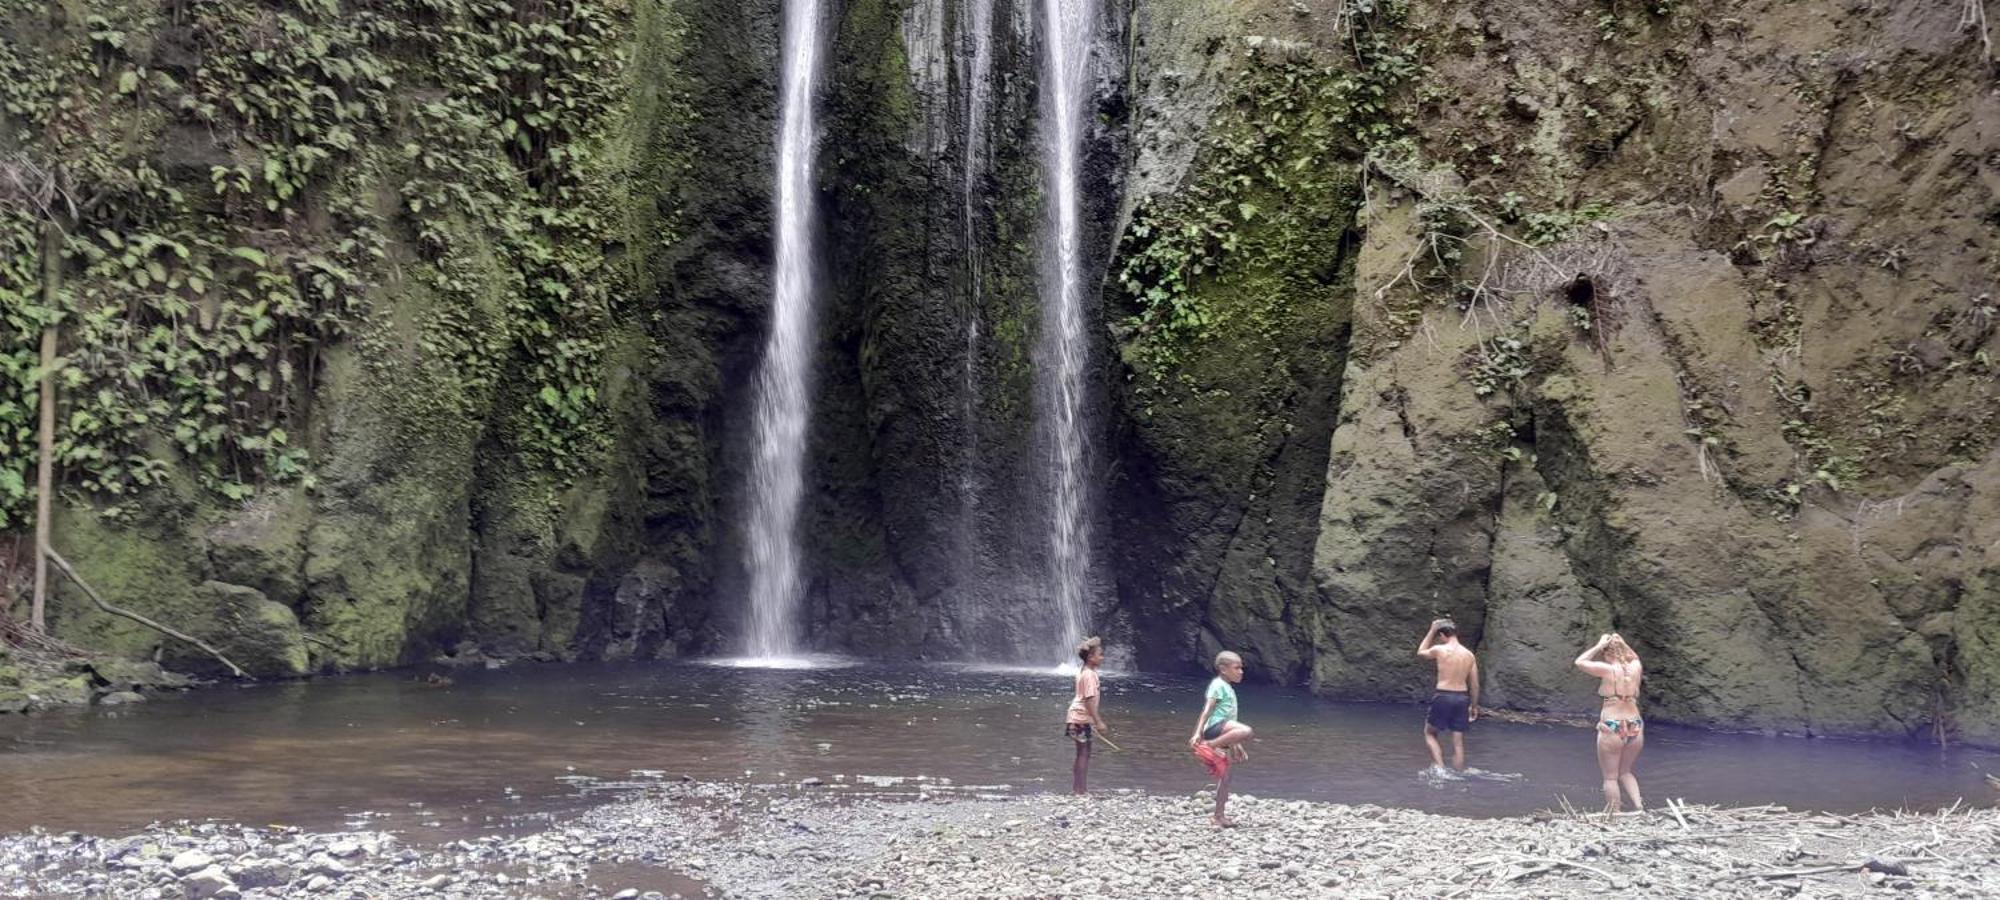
[{"x": 203, "y": 197}]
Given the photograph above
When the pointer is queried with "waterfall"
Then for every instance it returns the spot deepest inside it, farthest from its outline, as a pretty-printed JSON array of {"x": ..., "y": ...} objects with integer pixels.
[
  {"x": 977, "y": 28},
  {"x": 1066, "y": 47},
  {"x": 784, "y": 380}
]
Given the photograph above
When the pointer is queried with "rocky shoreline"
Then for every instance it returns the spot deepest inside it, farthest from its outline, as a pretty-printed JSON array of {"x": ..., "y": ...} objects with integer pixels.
[
  {"x": 695, "y": 839},
  {"x": 33, "y": 682}
]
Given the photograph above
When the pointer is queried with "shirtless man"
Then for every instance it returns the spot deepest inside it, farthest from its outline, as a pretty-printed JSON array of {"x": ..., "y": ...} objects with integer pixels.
[{"x": 1456, "y": 703}]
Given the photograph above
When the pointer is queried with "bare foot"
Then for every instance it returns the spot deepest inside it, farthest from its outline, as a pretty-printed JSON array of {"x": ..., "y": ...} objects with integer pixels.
[{"x": 1223, "y": 821}]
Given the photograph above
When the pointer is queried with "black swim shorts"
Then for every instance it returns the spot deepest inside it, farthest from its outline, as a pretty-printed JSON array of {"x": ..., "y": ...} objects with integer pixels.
[
  {"x": 1214, "y": 731},
  {"x": 1450, "y": 711},
  {"x": 1079, "y": 733}
]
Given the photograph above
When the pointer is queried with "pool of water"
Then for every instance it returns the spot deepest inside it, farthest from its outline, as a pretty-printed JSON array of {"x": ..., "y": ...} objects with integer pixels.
[{"x": 501, "y": 748}]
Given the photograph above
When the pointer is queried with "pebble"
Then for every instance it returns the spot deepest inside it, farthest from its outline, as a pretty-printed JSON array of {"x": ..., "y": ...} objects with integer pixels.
[{"x": 777, "y": 841}]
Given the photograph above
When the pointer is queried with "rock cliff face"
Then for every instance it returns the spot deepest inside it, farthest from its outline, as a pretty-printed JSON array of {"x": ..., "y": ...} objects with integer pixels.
[{"x": 1673, "y": 318}]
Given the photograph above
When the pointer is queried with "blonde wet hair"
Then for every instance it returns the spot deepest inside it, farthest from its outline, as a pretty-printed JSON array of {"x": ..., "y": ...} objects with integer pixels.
[
  {"x": 1619, "y": 652},
  {"x": 1225, "y": 658}
]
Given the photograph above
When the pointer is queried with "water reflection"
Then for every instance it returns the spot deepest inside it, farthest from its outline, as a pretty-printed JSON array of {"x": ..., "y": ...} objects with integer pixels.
[{"x": 445, "y": 759}]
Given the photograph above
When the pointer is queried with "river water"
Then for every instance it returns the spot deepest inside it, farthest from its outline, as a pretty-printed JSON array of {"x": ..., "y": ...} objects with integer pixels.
[{"x": 506, "y": 748}]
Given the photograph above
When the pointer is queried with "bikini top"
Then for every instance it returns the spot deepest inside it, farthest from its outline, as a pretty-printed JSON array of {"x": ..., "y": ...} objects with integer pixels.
[{"x": 1624, "y": 684}]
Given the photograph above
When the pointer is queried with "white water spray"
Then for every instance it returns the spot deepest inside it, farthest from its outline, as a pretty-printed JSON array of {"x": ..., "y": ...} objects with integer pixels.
[
  {"x": 1066, "y": 43},
  {"x": 977, "y": 28},
  {"x": 784, "y": 382}
]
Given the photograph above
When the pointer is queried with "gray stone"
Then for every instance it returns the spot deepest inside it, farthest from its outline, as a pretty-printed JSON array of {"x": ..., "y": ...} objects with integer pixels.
[
  {"x": 260, "y": 872},
  {"x": 323, "y": 864},
  {"x": 189, "y": 861},
  {"x": 256, "y": 633},
  {"x": 207, "y": 883}
]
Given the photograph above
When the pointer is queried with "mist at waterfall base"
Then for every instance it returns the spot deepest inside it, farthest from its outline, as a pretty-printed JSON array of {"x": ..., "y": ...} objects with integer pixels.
[{"x": 507, "y": 748}]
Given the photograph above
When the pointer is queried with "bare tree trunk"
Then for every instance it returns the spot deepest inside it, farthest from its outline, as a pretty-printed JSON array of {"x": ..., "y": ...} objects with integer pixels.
[{"x": 46, "y": 467}]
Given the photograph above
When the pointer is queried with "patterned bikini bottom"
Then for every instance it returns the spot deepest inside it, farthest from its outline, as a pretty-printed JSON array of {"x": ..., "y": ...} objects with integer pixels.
[{"x": 1627, "y": 729}]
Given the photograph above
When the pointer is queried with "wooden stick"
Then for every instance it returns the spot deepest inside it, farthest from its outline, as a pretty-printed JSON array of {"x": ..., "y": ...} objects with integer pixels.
[
  {"x": 62, "y": 565},
  {"x": 1107, "y": 742},
  {"x": 1871, "y": 865},
  {"x": 45, "y": 465},
  {"x": 1676, "y": 810},
  {"x": 1790, "y": 873},
  {"x": 1548, "y": 864}
]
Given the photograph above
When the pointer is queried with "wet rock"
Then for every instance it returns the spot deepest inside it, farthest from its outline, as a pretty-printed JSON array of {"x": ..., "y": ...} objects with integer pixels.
[
  {"x": 121, "y": 698},
  {"x": 258, "y": 634},
  {"x": 133, "y": 675},
  {"x": 207, "y": 883}
]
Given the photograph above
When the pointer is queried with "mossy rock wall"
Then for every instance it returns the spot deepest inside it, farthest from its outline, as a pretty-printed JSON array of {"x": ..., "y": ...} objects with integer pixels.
[
  {"x": 1731, "y": 393},
  {"x": 1672, "y": 318}
]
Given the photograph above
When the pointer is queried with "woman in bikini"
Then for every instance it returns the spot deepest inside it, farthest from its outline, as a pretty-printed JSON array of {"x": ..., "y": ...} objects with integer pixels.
[{"x": 1620, "y": 732}]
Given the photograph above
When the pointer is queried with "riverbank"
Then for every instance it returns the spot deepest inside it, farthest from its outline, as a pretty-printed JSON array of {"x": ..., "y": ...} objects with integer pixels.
[
  {"x": 717, "y": 839},
  {"x": 33, "y": 680}
]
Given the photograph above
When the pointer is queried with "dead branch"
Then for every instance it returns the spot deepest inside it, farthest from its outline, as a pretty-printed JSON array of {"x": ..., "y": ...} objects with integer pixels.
[
  {"x": 1674, "y": 808},
  {"x": 63, "y": 566},
  {"x": 18, "y": 634},
  {"x": 1548, "y": 864}
]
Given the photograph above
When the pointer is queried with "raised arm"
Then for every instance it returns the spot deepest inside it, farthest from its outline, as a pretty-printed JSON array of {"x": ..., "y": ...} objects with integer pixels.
[
  {"x": 1584, "y": 661},
  {"x": 1424, "y": 649}
]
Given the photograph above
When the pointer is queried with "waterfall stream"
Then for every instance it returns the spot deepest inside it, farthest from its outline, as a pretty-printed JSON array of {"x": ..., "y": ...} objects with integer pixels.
[
  {"x": 1066, "y": 49},
  {"x": 784, "y": 382},
  {"x": 977, "y": 33}
]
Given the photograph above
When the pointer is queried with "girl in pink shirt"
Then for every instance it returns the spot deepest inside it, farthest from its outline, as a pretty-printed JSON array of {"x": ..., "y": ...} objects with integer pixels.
[{"x": 1083, "y": 717}]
